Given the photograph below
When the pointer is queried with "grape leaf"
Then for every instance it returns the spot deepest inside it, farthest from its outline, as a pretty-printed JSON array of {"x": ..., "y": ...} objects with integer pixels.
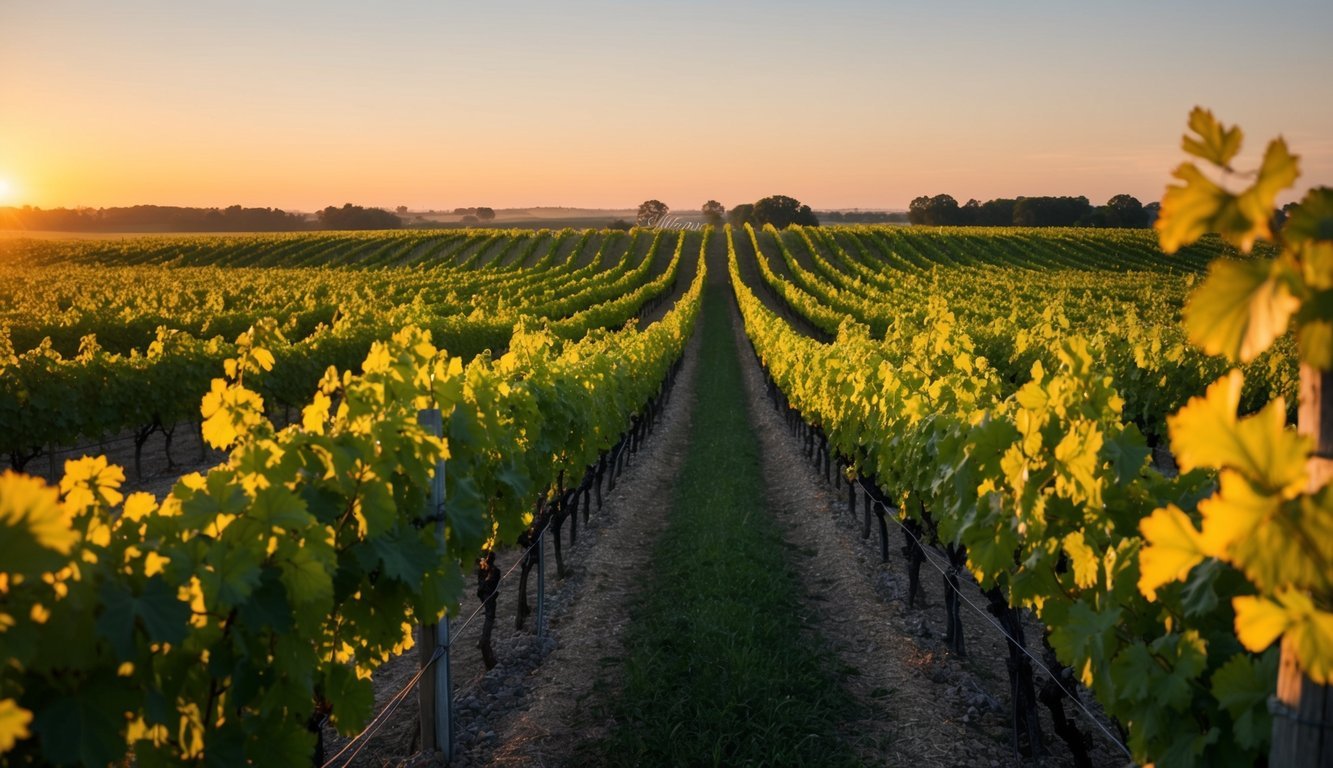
[
  {"x": 1240, "y": 308},
  {"x": 1172, "y": 549},
  {"x": 35, "y": 530},
  {"x": 1215, "y": 143},
  {"x": 1194, "y": 209},
  {"x": 1242, "y": 686},
  {"x": 307, "y": 579},
  {"x": 14, "y": 722},
  {"x": 1206, "y": 433},
  {"x": 353, "y": 699},
  {"x": 1259, "y": 621},
  {"x": 1087, "y": 566},
  {"x": 77, "y": 728},
  {"x": 163, "y": 616}
]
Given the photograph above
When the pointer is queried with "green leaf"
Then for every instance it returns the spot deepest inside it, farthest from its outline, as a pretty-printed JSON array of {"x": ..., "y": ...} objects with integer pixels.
[
  {"x": 1134, "y": 670},
  {"x": 234, "y": 573},
  {"x": 307, "y": 578},
  {"x": 1126, "y": 452},
  {"x": 465, "y": 512},
  {"x": 80, "y": 729},
  {"x": 280, "y": 507},
  {"x": 353, "y": 699},
  {"x": 1199, "y": 596},
  {"x": 1186, "y": 656},
  {"x": 1215, "y": 143},
  {"x": 1242, "y": 686},
  {"x": 1240, "y": 308},
  {"x": 163, "y": 616},
  {"x": 404, "y": 555},
  {"x": 1082, "y": 639},
  {"x": 224, "y": 745},
  {"x": 376, "y": 510},
  {"x": 267, "y": 606}
]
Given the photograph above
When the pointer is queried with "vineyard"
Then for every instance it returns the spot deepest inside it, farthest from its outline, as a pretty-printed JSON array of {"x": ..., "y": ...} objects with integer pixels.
[{"x": 1058, "y": 420}]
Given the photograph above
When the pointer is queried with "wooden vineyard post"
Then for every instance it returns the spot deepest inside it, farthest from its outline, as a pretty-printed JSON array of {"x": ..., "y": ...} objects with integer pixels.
[
  {"x": 435, "y": 691},
  {"x": 1303, "y": 710},
  {"x": 541, "y": 581}
]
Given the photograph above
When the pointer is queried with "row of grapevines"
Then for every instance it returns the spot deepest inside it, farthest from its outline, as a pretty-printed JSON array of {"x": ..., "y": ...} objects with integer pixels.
[
  {"x": 209, "y": 626},
  {"x": 123, "y": 306},
  {"x": 49, "y": 399},
  {"x": 1014, "y": 315},
  {"x": 1045, "y": 486}
]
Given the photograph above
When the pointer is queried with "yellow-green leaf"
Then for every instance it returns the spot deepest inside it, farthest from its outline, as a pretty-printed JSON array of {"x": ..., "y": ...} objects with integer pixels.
[
  {"x": 1313, "y": 636},
  {"x": 1279, "y": 170},
  {"x": 1172, "y": 549},
  {"x": 1215, "y": 143},
  {"x": 14, "y": 722},
  {"x": 1206, "y": 433},
  {"x": 36, "y": 533},
  {"x": 1240, "y": 308},
  {"x": 1195, "y": 208},
  {"x": 1084, "y": 559},
  {"x": 1259, "y": 621},
  {"x": 1232, "y": 514}
]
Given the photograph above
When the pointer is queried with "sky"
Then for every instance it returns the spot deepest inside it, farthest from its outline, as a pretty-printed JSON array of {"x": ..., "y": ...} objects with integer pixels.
[{"x": 509, "y": 103}]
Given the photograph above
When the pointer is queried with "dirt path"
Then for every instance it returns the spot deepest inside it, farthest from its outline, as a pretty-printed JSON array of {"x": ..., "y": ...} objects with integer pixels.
[{"x": 590, "y": 610}]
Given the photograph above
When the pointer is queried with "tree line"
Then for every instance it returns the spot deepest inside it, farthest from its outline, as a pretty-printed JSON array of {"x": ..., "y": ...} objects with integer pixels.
[
  {"x": 779, "y": 210},
  {"x": 170, "y": 218},
  {"x": 152, "y": 218},
  {"x": 1119, "y": 211}
]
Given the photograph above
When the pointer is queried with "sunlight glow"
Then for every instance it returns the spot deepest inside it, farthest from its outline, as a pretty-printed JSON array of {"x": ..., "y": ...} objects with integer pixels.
[{"x": 6, "y": 189}]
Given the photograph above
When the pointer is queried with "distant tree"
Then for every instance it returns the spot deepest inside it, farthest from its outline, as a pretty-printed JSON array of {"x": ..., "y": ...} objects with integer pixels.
[
  {"x": 1124, "y": 211},
  {"x": 1150, "y": 212},
  {"x": 464, "y": 211},
  {"x": 970, "y": 214},
  {"x": 652, "y": 212},
  {"x": 402, "y": 210},
  {"x": 741, "y": 215},
  {"x": 1050, "y": 211},
  {"x": 619, "y": 224},
  {"x": 937, "y": 211},
  {"x": 996, "y": 213},
  {"x": 713, "y": 212},
  {"x": 470, "y": 220},
  {"x": 782, "y": 212},
  {"x": 356, "y": 217},
  {"x": 485, "y": 214}
]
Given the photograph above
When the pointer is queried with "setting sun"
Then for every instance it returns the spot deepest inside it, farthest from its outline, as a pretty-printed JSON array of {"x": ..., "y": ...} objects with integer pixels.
[{"x": 6, "y": 189}]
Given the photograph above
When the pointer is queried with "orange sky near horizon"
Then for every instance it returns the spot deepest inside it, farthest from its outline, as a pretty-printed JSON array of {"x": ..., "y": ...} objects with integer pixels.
[{"x": 519, "y": 104}]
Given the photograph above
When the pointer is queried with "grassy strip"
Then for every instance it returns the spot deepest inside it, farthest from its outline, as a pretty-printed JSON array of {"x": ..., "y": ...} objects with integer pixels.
[{"x": 723, "y": 669}]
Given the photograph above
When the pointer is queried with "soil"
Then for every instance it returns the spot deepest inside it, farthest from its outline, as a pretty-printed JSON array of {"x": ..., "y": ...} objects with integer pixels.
[{"x": 922, "y": 705}]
